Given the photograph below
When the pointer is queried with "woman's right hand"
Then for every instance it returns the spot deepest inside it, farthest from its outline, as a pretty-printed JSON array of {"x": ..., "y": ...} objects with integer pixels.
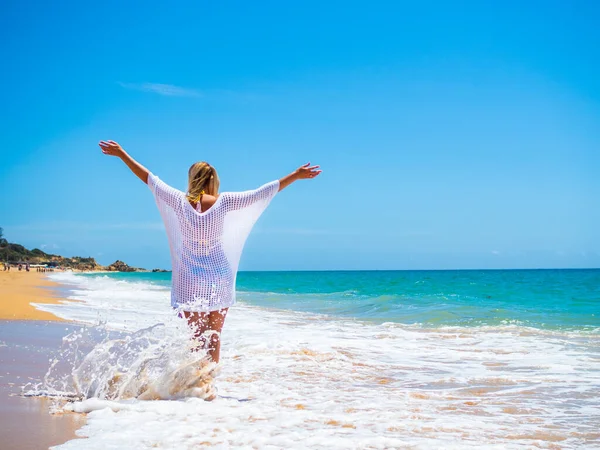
[{"x": 111, "y": 148}]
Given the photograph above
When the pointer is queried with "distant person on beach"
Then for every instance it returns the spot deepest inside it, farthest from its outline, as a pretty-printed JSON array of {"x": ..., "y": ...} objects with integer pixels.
[{"x": 206, "y": 232}]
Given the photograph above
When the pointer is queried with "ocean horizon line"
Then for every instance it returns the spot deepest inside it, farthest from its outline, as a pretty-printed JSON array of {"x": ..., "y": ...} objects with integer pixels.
[
  {"x": 420, "y": 270},
  {"x": 378, "y": 270}
]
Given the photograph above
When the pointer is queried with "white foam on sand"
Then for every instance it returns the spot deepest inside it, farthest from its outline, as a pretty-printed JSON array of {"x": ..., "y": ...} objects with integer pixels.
[{"x": 297, "y": 380}]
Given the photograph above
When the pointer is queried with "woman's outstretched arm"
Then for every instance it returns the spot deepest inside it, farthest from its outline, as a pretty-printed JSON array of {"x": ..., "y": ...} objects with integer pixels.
[
  {"x": 303, "y": 172},
  {"x": 113, "y": 149},
  {"x": 240, "y": 200}
]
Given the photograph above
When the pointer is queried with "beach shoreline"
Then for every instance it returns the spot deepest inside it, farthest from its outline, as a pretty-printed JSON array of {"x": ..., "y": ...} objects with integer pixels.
[{"x": 20, "y": 289}]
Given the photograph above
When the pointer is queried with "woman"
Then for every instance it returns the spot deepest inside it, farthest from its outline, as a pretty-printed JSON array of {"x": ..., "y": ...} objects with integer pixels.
[{"x": 206, "y": 232}]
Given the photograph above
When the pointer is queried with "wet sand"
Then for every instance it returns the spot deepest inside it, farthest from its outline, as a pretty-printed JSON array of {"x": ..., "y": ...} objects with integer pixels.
[
  {"x": 25, "y": 422},
  {"x": 19, "y": 289}
]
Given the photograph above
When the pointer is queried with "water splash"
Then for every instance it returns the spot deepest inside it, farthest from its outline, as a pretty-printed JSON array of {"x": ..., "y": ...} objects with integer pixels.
[{"x": 150, "y": 364}]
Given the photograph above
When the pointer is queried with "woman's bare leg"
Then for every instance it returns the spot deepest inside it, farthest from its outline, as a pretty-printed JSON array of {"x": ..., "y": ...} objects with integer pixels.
[
  {"x": 216, "y": 319},
  {"x": 207, "y": 330}
]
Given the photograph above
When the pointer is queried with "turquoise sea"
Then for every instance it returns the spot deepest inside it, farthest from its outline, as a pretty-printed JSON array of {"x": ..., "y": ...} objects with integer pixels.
[{"x": 549, "y": 299}]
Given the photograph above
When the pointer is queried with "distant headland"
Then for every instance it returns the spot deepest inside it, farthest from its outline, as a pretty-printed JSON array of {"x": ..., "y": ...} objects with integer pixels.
[{"x": 16, "y": 254}]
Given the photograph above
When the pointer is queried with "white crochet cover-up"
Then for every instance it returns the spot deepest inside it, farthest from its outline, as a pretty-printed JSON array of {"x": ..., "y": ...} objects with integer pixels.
[{"x": 206, "y": 246}]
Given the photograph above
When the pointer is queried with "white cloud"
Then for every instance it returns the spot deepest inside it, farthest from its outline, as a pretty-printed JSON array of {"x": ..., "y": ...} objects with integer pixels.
[
  {"x": 300, "y": 231},
  {"x": 168, "y": 90},
  {"x": 135, "y": 226},
  {"x": 495, "y": 252}
]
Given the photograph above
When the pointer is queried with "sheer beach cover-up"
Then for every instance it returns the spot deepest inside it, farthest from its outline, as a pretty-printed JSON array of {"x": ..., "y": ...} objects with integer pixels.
[{"x": 206, "y": 246}]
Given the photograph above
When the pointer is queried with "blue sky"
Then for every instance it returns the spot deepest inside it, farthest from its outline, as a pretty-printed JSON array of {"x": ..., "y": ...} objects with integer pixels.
[{"x": 451, "y": 134}]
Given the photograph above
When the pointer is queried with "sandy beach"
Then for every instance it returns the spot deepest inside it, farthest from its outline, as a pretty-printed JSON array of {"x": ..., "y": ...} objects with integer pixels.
[
  {"x": 28, "y": 337},
  {"x": 18, "y": 289}
]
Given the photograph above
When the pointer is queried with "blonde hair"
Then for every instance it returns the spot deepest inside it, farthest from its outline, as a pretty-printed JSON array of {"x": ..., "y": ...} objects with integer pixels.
[{"x": 202, "y": 179}]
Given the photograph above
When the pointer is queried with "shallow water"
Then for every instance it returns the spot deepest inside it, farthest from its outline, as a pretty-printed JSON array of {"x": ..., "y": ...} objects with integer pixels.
[{"x": 298, "y": 379}]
